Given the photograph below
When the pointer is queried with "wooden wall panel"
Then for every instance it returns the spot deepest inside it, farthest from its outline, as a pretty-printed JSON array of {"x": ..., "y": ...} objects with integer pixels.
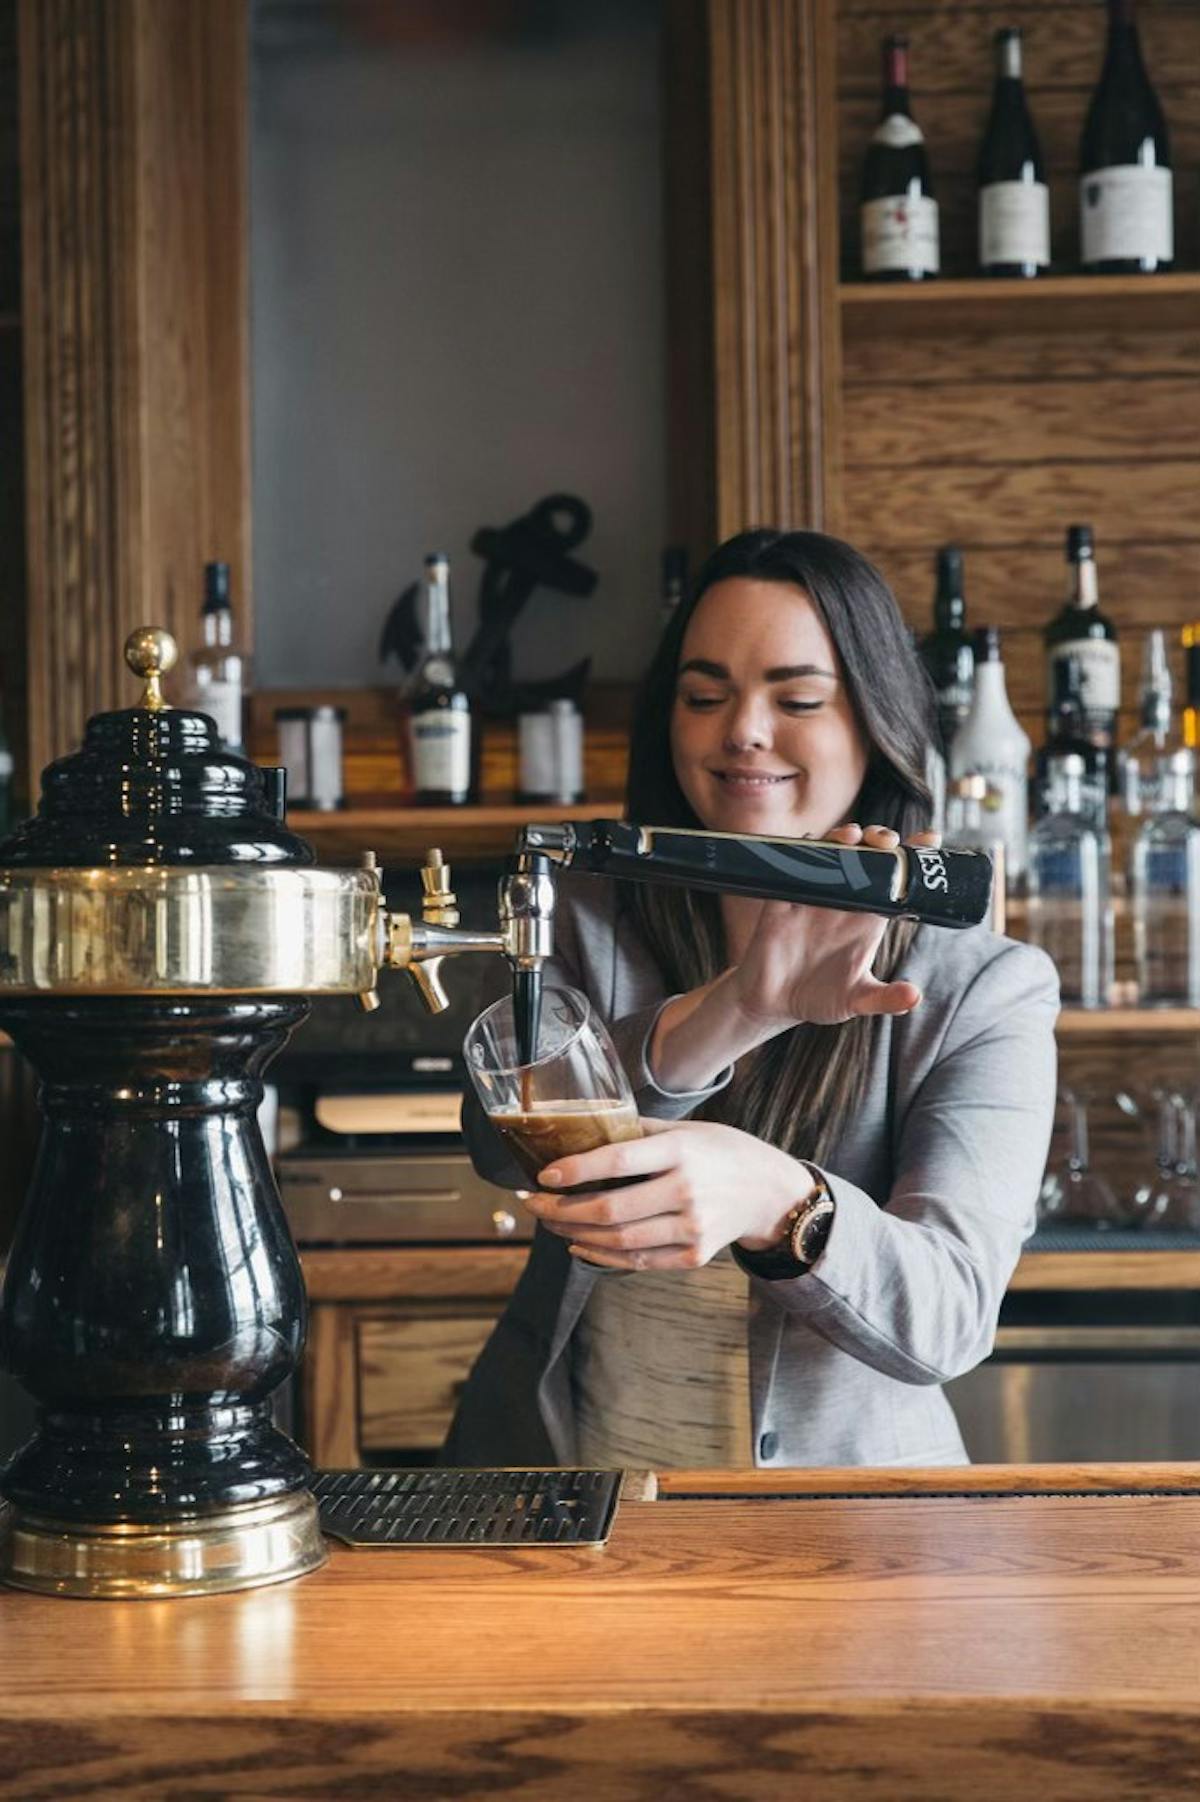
[
  {"x": 134, "y": 301},
  {"x": 952, "y": 78},
  {"x": 773, "y": 237}
]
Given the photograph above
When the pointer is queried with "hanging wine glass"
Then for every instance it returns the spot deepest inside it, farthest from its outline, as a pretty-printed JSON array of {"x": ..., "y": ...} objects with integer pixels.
[
  {"x": 1072, "y": 1193},
  {"x": 1169, "y": 1201}
]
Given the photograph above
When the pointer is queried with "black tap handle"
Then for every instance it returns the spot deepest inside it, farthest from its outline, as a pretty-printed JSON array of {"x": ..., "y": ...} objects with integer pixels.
[{"x": 938, "y": 887}]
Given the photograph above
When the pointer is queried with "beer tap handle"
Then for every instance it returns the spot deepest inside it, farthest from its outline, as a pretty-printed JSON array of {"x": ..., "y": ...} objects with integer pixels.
[{"x": 439, "y": 903}]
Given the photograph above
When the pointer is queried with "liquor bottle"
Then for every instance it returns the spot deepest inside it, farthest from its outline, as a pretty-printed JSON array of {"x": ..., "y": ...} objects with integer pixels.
[
  {"x": 1139, "y": 762},
  {"x": 1014, "y": 201},
  {"x": 992, "y": 743},
  {"x": 1191, "y": 676},
  {"x": 1079, "y": 629},
  {"x": 1125, "y": 189},
  {"x": 1069, "y": 906},
  {"x": 971, "y": 808},
  {"x": 215, "y": 677},
  {"x": 674, "y": 581},
  {"x": 898, "y": 214},
  {"x": 6, "y": 781},
  {"x": 1164, "y": 886},
  {"x": 1065, "y": 732},
  {"x": 439, "y": 711},
  {"x": 947, "y": 652}
]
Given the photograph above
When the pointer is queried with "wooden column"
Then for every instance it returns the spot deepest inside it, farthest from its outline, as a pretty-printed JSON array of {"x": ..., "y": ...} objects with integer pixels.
[
  {"x": 134, "y": 305},
  {"x": 751, "y": 180}
]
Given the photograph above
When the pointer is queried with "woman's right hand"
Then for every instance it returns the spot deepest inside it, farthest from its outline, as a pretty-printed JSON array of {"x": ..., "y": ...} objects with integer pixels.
[{"x": 812, "y": 965}]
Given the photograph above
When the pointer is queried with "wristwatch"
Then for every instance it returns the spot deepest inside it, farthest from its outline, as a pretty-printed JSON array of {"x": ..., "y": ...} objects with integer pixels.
[{"x": 804, "y": 1238}]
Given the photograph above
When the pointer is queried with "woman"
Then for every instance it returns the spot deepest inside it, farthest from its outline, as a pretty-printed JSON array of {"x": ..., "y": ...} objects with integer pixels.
[{"x": 846, "y": 1119}]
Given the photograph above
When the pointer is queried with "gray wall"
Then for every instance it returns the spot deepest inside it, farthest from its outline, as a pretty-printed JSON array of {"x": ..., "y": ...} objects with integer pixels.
[{"x": 457, "y": 307}]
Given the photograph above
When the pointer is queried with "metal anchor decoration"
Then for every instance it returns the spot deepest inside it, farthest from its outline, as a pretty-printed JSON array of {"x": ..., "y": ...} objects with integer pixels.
[{"x": 534, "y": 550}]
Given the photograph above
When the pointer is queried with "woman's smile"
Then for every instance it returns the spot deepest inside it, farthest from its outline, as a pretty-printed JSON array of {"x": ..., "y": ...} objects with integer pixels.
[{"x": 763, "y": 733}]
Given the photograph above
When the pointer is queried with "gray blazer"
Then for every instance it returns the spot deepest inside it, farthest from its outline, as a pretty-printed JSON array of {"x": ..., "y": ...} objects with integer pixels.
[{"x": 935, "y": 1179}]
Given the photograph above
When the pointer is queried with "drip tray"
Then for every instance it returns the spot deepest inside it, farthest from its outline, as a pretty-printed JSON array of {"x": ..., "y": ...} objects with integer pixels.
[{"x": 467, "y": 1507}]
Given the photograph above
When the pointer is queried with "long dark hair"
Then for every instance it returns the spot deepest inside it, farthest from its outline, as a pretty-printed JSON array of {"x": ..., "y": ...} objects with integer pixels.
[{"x": 797, "y": 1090}]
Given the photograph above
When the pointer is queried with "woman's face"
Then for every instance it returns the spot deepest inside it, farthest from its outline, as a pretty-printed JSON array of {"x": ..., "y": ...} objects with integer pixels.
[{"x": 763, "y": 736}]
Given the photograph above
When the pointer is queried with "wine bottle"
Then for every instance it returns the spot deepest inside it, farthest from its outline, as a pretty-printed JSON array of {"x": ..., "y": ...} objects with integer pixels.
[
  {"x": 215, "y": 676},
  {"x": 439, "y": 710},
  {"x": 1125, "y": 192},
  {"x": 898, "y": 215},
  {"x": 1014, "y": 201},
  {"x": 1080, "y": 629},
  {"x": 947, "y": 652}
]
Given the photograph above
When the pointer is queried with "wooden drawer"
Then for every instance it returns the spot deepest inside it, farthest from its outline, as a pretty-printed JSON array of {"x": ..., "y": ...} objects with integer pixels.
[{"x": 410, "y": 1372}]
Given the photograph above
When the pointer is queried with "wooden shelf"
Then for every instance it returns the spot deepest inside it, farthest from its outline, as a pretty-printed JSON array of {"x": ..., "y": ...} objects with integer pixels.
[
  {"x": 395, "y": 833},
  {"x": 1091, "y": 1270},
  {"x": 1055, "y": 302},
  {"x": 1131, "y": 1022}
]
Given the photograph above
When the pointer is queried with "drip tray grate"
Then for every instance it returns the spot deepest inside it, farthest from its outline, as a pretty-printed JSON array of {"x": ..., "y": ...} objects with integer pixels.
[{"x": 467, "y": 1507}]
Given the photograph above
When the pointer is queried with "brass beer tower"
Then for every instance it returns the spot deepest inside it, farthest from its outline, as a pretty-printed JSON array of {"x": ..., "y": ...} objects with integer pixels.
[{"x": 160, "y": 932}]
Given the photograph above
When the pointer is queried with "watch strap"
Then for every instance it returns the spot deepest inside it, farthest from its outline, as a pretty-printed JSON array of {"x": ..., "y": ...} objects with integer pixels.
[{"x": 804, "y": 1238}]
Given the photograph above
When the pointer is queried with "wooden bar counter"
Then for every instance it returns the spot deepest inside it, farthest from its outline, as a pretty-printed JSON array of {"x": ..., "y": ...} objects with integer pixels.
[{"x": 782, "y": 1634}]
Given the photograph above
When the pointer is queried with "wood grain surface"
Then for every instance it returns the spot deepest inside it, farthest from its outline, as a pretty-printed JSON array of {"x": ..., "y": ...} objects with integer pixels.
[
  {"x": 860, "y": 1649},
  {"x": 411, "y": 1372},
  {"x": 1026, "y": 1479},
  {"x": 134, "y": 265}
]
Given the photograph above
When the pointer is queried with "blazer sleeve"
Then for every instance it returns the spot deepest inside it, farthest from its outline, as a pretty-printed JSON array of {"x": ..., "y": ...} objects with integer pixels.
[
  {"x": 631, "y": 1033},
  {"x": 913, "y": 1288}
]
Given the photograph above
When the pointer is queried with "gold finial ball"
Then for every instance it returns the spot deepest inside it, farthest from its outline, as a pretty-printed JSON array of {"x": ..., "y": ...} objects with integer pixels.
[{"x": 150, "y": 651}]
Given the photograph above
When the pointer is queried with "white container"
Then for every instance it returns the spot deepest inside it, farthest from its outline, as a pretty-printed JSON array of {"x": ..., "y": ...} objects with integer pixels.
[{"x": 992, "y": 743}]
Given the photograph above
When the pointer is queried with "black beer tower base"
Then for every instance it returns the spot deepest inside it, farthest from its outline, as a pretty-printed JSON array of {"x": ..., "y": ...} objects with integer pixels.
[{"x": 153, "y": 1300}]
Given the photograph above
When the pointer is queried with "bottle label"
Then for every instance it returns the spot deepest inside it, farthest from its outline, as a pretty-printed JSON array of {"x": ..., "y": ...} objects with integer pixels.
[
  {"x": 1125, "y": 212},
  {"x": 1014, "y": 223},
  {"x": 900, "y": 232},
  {"x": 222, "y": 701},
  {"x": 897, "y": 131},
  {"x": 1100, "y": 668},
  {"x": 441, "y": 751}
]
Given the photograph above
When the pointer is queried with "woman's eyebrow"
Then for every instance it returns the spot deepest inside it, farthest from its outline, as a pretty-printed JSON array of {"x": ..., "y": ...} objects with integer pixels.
[{"x": 784, "y": 672}]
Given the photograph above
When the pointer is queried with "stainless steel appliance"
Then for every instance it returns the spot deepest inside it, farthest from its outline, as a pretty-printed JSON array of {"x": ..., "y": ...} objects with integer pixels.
[
  {"x": 380, "y": 1166},
  {"x": 1082, "y": 1377}
]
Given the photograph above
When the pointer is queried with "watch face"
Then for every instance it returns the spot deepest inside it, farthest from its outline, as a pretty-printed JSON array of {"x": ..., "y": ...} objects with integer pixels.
[{"x": 811, "y": 1231}]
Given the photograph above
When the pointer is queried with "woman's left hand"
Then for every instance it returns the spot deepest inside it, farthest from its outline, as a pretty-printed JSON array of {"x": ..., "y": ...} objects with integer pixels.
[{"x": 704, "y": 1185}]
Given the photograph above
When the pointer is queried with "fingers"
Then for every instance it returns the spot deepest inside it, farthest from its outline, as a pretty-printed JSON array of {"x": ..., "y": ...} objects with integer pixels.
[
  {"x": 875, "y": 838},
  {"x": 666, "y": 1257},
  {"x": 927, "y": 840},
  {"x": 888, "y": 998},
  {"x": 632, "y": 1157},
  {"x": 606, "y": 1207},
  {"x": 652, "y": 1234}
]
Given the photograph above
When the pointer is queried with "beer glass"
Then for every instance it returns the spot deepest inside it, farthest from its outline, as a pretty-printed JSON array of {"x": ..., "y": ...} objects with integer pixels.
[{"x": 572, "y": 1097}]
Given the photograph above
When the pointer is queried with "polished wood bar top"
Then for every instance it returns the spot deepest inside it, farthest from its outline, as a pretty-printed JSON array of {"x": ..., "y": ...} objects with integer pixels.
[
  {"x": 861, "y": 1647},
  {"x": 399, "y": 1272}
]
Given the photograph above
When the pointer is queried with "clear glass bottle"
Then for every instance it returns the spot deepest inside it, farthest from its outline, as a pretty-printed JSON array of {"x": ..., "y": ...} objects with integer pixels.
[
  {"x": 1142, "y": 757},
  {"x": 215, "y": 682},
  {"x": 1164, "y": 887},
  {"x": 971, "y": 809},
  {"x": 1069, "y": 900}
]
